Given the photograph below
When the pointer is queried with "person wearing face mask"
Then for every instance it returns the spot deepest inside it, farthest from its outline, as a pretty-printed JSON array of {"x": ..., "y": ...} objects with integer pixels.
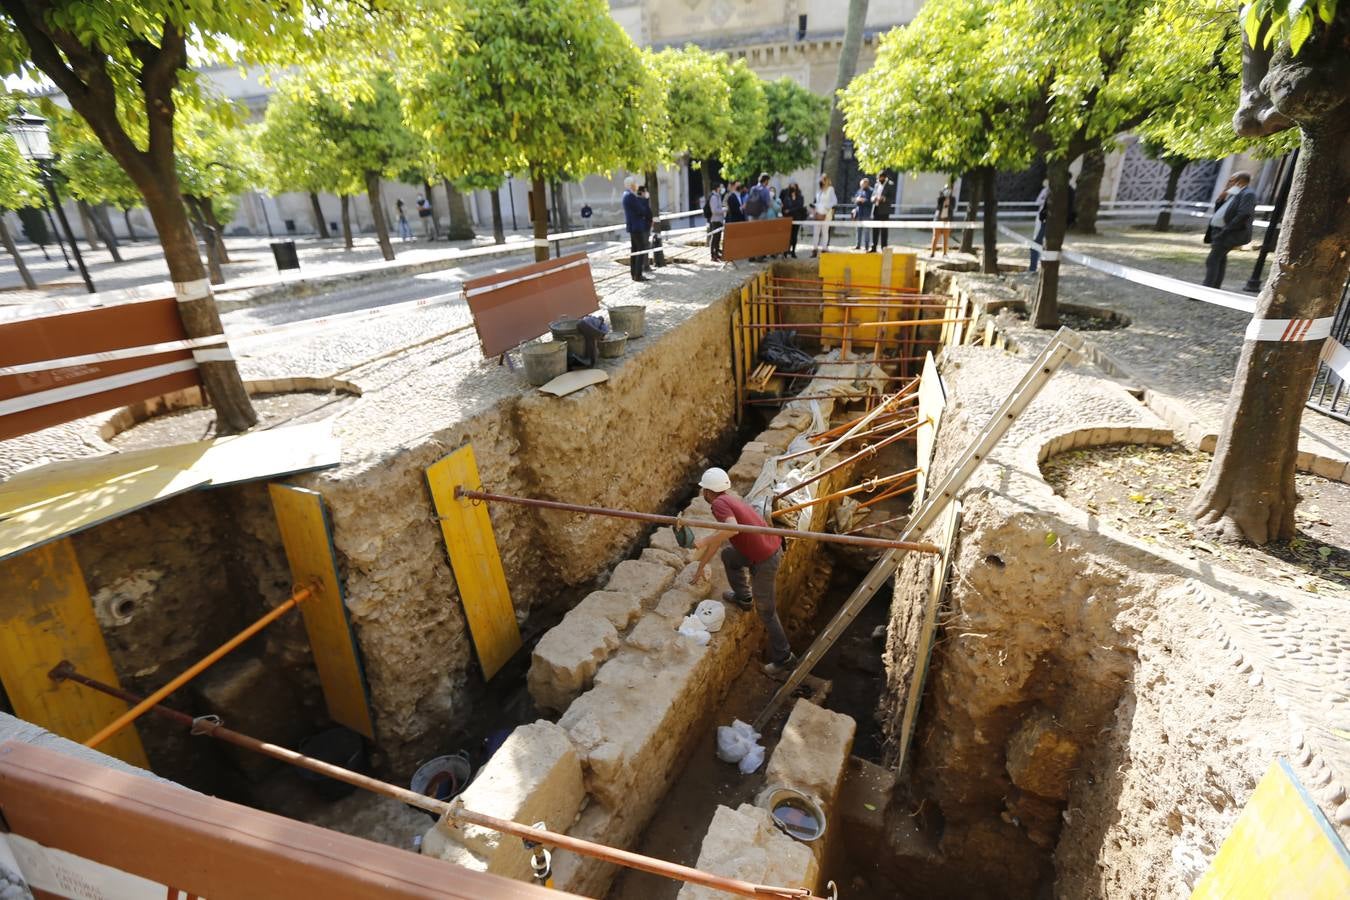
[{"x": 716, "y": 214}]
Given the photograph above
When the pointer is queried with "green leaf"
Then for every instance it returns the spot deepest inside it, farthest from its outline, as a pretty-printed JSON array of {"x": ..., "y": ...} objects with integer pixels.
[
  {"x": 1300, "y": 31},
  {"x": 1326, "y": 11},
  {"x": 1251, "y": 23},
  {"x": 1325, "y": 552},
  {"x": 1051, "y": 538}
]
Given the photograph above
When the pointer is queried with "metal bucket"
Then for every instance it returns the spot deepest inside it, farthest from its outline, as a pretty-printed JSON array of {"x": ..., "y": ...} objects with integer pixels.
[
  {"x": 565, "y": 329},
  {"x": 797, "y": 815},
  {"x": 442, "y": 778},
  {"x": 544, "y": 361},
  {"x": 612, "y": 345},
  {"x": 631, "y": 320}
]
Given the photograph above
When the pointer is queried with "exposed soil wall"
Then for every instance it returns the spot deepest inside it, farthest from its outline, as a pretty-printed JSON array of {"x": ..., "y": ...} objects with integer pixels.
[{"x": 634, "y": 443}]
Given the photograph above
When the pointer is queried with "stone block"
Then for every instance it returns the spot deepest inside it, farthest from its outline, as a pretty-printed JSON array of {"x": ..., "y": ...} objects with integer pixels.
[
  {"x": 620, "y": 609},
  {"x": 652, "y": 633},
  {"x": 813, "y": 751},
  {"x": 244, "y": 691},
  {"x": 746, "y": 471},
  {"x": 663, "y": 539},
  {"x": 1041, "y": 756},
  {"x": 1335, "y": 469},
  {"x": 535, "y": 776},
  {"x": 743, "y": 843},
  {"x": 776, "y": 440},
  {"x": 865, "y": 796},
  {"x": 676, "y": 603},
  {"x": 645, "y": 580},
  {"x": 565, "y": 659},
  {"x": 663, "y": 557}
]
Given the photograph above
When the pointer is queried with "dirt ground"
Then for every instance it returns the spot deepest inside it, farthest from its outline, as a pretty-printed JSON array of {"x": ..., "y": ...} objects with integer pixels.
[
  {"x": 1143, "y": 490},
  {"x": 200, "y": 424}
]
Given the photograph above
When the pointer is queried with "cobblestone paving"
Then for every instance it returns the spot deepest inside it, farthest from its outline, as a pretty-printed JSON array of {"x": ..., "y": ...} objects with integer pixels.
[{"x": 1183, "y": 349}]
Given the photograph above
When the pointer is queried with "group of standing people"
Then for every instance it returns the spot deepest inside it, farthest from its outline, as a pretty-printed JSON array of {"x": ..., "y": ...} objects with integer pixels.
[
  {"x": 737, "y": 202},
  {"x": 873, "y": 204},
  {"x": 423, "y": 212}
]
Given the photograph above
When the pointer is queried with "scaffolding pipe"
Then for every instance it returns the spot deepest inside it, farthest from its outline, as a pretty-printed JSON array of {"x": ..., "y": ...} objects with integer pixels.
[
  {"x": 844, "y": 284},
  {"x": 879, "y": 524},
  {"x": 903, "y": 489},
  {"x": 212, "y": 727},
  {"x": 201, "y": 665},
  {"x": 900, "y": 304},
  {"x": 711, "y": 524},
  {"x": 870, "y": 484},
  {"x": 894, "y": 323},
  {"x": 861, "y": 454},
  {"x": 788, "y": 398}
]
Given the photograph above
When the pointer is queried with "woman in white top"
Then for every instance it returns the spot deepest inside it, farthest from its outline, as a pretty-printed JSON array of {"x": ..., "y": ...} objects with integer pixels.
[{"x": 823, "y": 211}]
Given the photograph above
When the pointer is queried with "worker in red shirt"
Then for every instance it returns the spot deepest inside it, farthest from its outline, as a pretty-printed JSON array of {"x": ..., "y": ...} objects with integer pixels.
[{"x": 751, "y": 562}]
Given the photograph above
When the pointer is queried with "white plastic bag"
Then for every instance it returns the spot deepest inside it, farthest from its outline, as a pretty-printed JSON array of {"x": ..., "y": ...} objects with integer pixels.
[
  {"x": 734, "y": 741},
  {"x": 752, "y": 760},
  {"x": 712, "y": 614},
  {"x": 692, "y": 627}
]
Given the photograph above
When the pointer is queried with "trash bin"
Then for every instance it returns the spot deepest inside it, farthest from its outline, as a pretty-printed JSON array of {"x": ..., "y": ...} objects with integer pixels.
[{"x": 285, "y": 255}]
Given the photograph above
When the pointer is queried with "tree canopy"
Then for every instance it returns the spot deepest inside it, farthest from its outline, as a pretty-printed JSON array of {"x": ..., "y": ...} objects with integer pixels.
[
  {"x": 796, "y": 120},
  {"x": 749, "y": 112},
  {"x": 297, "y": 153},
  {"x": 697, "y": 100}
]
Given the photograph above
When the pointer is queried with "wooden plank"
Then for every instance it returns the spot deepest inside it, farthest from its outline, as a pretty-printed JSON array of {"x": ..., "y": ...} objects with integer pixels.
[
  {"x": 46, "y": 616},
  {"x": 1281, "y": 846},
  {"x": 748, "y": 344},
  {"x": 472, "y": 546},
  {"x": 759, "y": 237},
  {"x": 85, "y": 331},
  {"x": 206, "y": 847},
  {"x": 308, "y": 538},
  {"x": 737, "y": 361},
  {"x": 932, "y": 401},
  {"x": 923, "y": 649}
]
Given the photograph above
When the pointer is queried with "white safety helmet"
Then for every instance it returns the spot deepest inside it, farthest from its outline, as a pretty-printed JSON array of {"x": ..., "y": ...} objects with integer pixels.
[{"x": 715, "y": 480}]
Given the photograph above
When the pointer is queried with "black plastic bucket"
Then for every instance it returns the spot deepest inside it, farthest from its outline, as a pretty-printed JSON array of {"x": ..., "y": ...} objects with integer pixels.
[{"x": 340, "y": 747}]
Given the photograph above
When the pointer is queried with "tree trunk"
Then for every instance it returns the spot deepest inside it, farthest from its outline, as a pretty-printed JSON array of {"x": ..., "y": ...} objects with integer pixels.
[
  {"x": 377, "y": 212},
  {"x": 320, "y": 226},
  {"x": 217, "y": 230},
  {"x": 431, "y": 205},
  {"x": 204, "y": 233},
  {"x": 1174, "y": 171},
  {"x": 539, "y": 214},
  {"x": 653, "y": 191},
  {"x": 989, "y": 263},
  {"x": 976, "y": 191},
  {"x": 1045, "y": 301},
  {"x": 560, "y": 206},
  {"x": 848, "y": 66},
  {"x": 1249, "y": 490},
  {"x": 346, "y": 221},
  {"x": 1088, "y": 195},
  {"x": 97, "y": 218},
  {"x": 87, "y": 225},
  {"x": 126, "y": 220},
  {"x": 8, "y": 240},
  {"x": 498, "y": 227},
  {"x": 461, "y": 224}
]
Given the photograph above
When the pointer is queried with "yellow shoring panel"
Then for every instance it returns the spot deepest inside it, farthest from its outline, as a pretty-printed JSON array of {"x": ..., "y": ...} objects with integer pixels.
[
  {"x": 738, "y": 370},
  {"x": 1280, "y": 847},
  {"x": 472, "y": 546},
  {"x": 864, "y": 269},
  {"x": 307, "y": 537},
  {"x": 46, "y": 616}
]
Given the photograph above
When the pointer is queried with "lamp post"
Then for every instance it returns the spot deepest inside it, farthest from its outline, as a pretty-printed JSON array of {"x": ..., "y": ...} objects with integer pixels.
[{"x": 34, "y": 140}]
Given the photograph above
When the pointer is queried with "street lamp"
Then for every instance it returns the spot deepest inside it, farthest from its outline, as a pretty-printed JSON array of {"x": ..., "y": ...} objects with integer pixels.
[{"x": 34, "y": 140}]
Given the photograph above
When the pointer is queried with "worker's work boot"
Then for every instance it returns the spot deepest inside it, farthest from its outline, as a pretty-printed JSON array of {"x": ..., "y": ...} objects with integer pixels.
[
  {"x": 742, "y": 602},
  {"x": 781, "y": 669}
]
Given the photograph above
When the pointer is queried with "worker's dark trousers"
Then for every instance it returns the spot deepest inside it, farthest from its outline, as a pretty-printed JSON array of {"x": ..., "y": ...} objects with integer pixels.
[
  {"x": 880, "y": 235},
  {"x": 638, "y": 242},
  {"x": 756, "y": 580}
]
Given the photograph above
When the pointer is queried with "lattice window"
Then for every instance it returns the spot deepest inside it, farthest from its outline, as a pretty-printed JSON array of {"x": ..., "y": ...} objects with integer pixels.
[{"x": 1142, "y": 178}]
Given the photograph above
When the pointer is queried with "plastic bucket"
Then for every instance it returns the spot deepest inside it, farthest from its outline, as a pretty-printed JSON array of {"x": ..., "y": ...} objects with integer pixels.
[
  {"x": 631, "y": 320},
  {"x": 797, "y": 815},
  {"x": 341, "y": 747},
  {"x": 565, "y": 329},
  {"x": 442, "y": 778},
  {"x": 544, "y": 361},
  {"x": 612, "y": 345}
]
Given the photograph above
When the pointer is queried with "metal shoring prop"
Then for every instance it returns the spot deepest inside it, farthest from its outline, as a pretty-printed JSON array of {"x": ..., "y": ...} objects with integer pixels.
[
  {"x": 710, "y": 524},
  {"x": 871, "y": 484},
  {"x": 202, "y": 665},
  {"x": 211, "y": 726}
]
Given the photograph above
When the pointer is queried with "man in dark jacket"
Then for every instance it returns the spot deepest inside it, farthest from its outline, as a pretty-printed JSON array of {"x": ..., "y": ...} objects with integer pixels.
[
  {"x": 883, "y": 200},
  {"x": 734, "y": 204},
  {"x": 1230, "y": 226},
  {"x": 635, "y": 215}
]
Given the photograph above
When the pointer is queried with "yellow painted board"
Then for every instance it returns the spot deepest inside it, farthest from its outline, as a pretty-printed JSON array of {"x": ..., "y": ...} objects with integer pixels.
[
  {"x": 307, "y": 537},
  {"x": 472, "y": 546},
  {"x": 1281, "y": 848},
  {"x": 63, "y": 498},
  {"x": 864, "y": 269},
  {"x": 932, "y": 400},
  {"x": 46, "y": 616},
  {"x": 737, "y": 371}
]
